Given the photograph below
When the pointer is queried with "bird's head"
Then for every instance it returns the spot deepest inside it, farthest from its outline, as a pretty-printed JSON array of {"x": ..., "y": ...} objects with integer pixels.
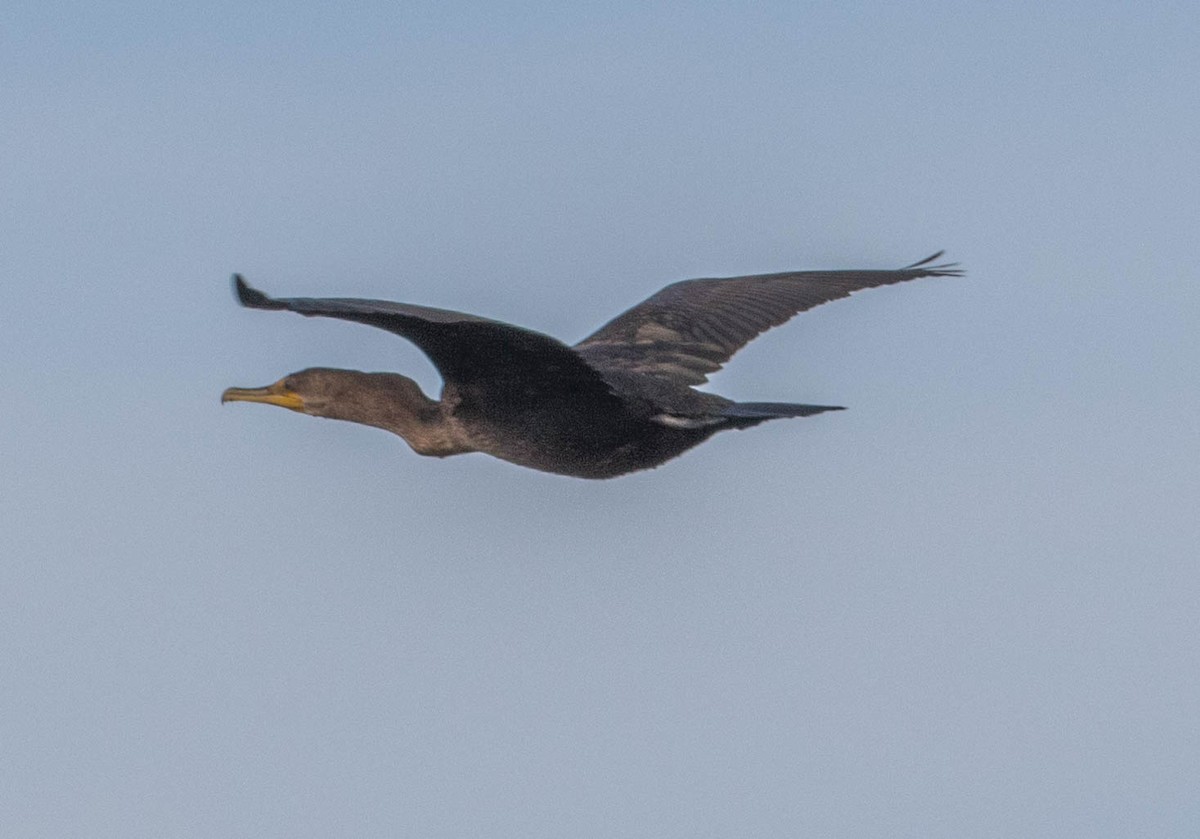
[{"x": 351, "y": 395}]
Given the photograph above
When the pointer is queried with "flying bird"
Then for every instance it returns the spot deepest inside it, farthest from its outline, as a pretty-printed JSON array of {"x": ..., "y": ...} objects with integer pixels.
[{"x": 620, "y": 400}]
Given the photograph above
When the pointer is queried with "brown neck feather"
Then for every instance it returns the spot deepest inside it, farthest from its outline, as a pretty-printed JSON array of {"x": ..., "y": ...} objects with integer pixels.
[{"x": 395, "y": 403}]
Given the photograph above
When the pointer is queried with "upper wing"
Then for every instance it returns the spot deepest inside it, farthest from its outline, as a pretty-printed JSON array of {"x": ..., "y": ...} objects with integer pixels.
[
  {"x": 351, "y": 308},
  {"x": 491, "y": 360},
  {"x": 691, "y": 328}
]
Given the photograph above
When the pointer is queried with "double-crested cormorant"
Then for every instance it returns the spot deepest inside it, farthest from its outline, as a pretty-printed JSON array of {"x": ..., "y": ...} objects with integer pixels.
[{"x": 620, "y": 400}]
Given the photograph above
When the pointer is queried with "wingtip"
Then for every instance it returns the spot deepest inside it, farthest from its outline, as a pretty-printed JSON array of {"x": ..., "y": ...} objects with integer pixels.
[
  {"x": 927, "y": 260},
  {"x": 249, "y": 296},
  {"x": 926, "y": 269}
]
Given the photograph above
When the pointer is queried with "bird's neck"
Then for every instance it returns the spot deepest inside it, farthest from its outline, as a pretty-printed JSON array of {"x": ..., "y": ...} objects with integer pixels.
[{"x": 395, "y": 403}]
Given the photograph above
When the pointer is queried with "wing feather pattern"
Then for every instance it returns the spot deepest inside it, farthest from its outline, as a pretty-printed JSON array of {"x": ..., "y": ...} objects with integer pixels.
[{"x": 693, "y": 327}]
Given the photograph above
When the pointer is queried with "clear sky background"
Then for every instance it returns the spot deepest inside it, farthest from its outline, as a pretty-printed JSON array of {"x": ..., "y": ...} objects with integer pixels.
[{"x": 967, "y": 606}]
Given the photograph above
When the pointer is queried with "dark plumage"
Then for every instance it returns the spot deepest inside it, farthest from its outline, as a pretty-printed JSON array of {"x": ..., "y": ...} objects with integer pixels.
[{"x": 620, "y": 400}]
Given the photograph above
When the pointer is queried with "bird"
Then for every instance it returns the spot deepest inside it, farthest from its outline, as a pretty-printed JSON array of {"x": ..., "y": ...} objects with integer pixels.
[{"x": 623, "y": 399}]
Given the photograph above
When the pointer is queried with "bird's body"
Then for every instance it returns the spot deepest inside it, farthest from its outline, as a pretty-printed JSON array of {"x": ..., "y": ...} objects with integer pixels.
[{"x": 621, "y": 400}]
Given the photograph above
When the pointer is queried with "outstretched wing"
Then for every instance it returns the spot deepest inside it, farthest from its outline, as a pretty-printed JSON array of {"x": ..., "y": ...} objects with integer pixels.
[
  {"x": 691, "y": 328},
  {"x": 497, "y": 362}
]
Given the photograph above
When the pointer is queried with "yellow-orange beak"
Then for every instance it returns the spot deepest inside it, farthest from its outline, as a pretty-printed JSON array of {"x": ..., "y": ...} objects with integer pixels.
[{"x": 276, "y": 394}]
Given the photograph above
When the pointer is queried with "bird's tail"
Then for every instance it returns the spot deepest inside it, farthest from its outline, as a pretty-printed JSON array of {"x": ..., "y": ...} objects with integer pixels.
[{"x": 756, "y": 412}]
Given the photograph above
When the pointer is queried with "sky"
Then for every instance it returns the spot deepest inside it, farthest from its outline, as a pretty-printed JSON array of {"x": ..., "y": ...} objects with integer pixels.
[{"x": 966, "y": 606}]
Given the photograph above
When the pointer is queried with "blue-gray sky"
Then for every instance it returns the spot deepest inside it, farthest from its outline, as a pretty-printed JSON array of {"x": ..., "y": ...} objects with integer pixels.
[{"x": 967, "y": 606}]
